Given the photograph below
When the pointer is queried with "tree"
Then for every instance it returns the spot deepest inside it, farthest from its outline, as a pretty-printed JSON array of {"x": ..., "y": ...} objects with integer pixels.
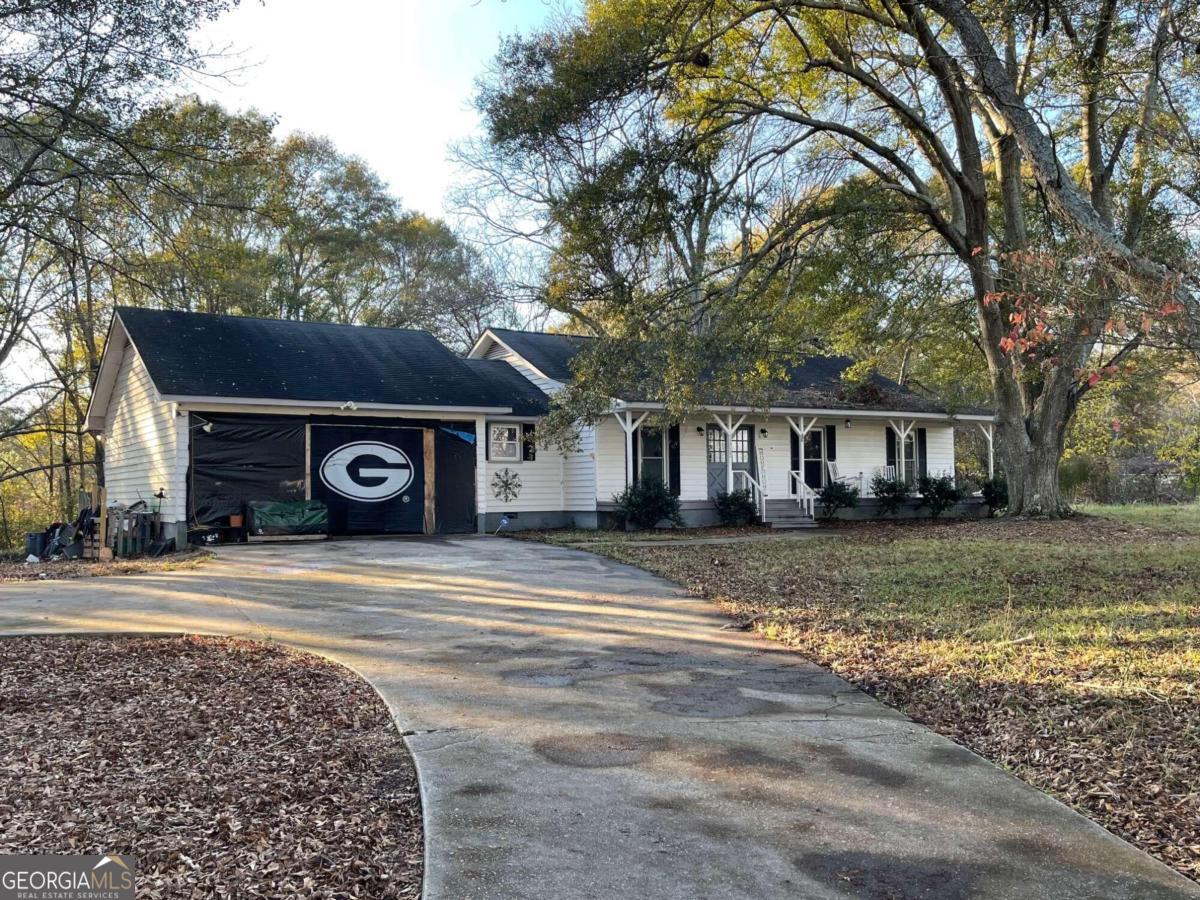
[{"x": 1045, "y": 153}]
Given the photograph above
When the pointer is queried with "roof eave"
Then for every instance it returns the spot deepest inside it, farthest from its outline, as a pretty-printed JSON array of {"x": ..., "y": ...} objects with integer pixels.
[
  {"x": 817, "y": 411},
  {"x": 209, "y": 402}
]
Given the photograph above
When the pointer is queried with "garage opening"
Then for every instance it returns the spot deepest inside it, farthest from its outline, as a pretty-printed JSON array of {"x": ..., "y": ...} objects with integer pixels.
[{"x": 374, "y": 476}]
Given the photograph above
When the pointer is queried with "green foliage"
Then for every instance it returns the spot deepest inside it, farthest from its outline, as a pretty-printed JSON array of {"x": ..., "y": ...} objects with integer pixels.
[
  {"x": 735, "y": 507},
  {"x": 890, "y": 494},
  {"x": 644, "y": 504},
  {"x": 995, "y": 494},
  {"x": 938, "y": 492},
  {"x": 1183, "y": 450},
  {"x": 836, "y": 495}
]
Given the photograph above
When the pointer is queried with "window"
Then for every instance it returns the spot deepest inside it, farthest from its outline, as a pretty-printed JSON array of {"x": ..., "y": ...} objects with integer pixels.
[
  {"x": 716, "y": 445},
  {"x": 504, "y": 443},
  {"x": 652, "y": 459},
  {"x": 741, "y": 446}
]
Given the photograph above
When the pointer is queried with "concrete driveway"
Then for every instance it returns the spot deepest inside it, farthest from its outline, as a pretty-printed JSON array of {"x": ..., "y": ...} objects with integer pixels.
[{"x": 585, "y": 730}]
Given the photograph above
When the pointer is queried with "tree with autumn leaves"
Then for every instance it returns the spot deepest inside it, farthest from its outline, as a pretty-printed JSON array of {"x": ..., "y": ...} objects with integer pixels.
[{"x": 1040, "y": 159}]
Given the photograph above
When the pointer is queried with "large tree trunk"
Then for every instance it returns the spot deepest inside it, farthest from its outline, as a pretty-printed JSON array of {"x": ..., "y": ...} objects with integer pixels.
[{"x": 1031, "y": 446}]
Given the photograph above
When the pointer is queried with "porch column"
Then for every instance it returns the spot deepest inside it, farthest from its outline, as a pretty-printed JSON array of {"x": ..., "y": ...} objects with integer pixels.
[
  {"x": 989, "y": 435},
  {"x": 903, "y": 429},
  {"x": 729, "y": 427},
  {"x": 802, "y": 428},
  {"x": 629, "y": 425}
]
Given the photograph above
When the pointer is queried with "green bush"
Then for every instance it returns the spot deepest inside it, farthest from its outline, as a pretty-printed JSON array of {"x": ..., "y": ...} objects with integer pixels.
[
  {"x": 938, "y": 492},
  {"x": 646, "y": 503},
  {"x": 890, "y": 493},
  {"x": 736, "y": 507},
  {"x": 995, "y": 494},
  {"x": 836, "y": 495}
]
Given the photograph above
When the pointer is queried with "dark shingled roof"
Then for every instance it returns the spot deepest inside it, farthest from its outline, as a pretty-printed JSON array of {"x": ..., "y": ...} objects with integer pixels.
[
  {"x": 525, "y": 397},
  {"x": 550, "y": 354},
  {"x": 814, "y": 383},
  {"x": 202, "y": 355}
]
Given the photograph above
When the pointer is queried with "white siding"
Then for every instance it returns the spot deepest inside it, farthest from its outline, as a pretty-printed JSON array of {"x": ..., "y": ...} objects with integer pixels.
[
  {"x": 541, "y": 483},
  {"x": 939, "y": 449},
  {"x": 145, "y": 444},
  {"x": 575, "y": 489},
  {"x": 610, "y": 459},
  {"x": 579, "y": 473}
]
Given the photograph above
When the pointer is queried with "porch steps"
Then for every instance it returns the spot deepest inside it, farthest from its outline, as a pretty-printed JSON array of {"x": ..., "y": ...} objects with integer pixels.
[{"x": 787, "y": 514}]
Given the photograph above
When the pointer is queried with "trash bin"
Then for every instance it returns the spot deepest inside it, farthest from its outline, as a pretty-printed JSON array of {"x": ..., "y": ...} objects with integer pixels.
[{"x": 35, "y": 543}]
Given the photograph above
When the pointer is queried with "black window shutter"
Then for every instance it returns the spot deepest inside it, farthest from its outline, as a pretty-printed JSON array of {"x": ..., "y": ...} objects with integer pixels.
[
  {"x": 922, "y": 466},
  {"x": 673, "y": 459},
  {"x": 528, "y": 443},
  {"x": 891, "y": 447},
  {"x": 487, "y": 441},
  {"x": 795, "y": 450},
  {"x": 831, "y": 443}
]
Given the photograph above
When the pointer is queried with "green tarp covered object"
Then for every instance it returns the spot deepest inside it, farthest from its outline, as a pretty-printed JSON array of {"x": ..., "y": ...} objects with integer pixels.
[{"x": 288, "y": 517}]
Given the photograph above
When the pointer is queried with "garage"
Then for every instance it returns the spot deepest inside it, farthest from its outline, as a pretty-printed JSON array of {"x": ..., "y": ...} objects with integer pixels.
[{"x": 235, "y": 428}]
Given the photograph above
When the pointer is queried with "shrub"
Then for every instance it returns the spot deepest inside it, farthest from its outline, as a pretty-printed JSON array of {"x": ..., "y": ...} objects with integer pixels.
[
  {"x": 890, "y": 494},
  {"x": 646, "y": 503},
  {"x": 995, "y": 494},
  {"x": 836, "y": 495},
  {"x": 938, "y": 492},
  {"x": 736, "y": 508}
]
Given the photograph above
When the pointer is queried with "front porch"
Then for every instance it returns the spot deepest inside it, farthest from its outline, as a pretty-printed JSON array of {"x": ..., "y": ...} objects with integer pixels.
[{"x": 782, "y": 457}]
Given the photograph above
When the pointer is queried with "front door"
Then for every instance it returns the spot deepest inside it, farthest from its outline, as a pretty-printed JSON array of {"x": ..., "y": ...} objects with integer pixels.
[{"x": 742, "y": 452}]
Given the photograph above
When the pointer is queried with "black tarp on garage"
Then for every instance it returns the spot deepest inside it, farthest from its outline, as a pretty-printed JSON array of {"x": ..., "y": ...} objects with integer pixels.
[{"x": 246, "y": 458}]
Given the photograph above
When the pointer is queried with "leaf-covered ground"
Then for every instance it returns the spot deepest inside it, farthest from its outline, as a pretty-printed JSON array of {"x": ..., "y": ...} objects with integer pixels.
[
  {"x": 54, "y": 569},
  {"x": 1069, "y": 652},
  {"x": 227, "y": 768}
]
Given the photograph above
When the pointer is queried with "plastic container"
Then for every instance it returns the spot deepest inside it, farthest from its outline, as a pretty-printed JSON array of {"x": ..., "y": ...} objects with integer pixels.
[{"x": 35, "y": 543}]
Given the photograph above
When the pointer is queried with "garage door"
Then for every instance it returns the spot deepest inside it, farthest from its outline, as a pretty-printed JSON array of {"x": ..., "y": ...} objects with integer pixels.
[{"x": 371, "y": 478}]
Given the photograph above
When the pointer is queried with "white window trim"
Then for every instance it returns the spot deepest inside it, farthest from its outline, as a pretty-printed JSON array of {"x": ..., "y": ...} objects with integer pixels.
[{"x": 516, "y": 442}]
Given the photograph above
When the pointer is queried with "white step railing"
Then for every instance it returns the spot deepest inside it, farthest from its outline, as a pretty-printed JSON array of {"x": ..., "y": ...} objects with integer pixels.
[
  {"x": 744, "y": 481},
  {"x": 805, "y": 496}
]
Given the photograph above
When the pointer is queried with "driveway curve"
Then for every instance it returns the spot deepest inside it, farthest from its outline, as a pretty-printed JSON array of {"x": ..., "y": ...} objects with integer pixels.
[{"x": 585, "y": 730}]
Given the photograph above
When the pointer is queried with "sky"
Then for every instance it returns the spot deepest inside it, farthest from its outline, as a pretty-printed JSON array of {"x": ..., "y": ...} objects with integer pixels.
[{"x": 389, "y": 81}]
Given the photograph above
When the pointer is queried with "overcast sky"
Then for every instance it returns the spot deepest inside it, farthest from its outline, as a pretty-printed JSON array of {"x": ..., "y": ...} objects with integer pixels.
[{"x": 389, "y": 81}]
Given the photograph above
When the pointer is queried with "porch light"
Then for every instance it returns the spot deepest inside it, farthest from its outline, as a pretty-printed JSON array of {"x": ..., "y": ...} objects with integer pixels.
[
  {"x": 699, "y": 429},
  {"x": 763, "y": 432},
  {"x": 847, "y": 423}
]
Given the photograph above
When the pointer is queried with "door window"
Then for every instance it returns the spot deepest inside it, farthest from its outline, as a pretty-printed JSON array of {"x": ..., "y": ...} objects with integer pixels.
[
  {"x": 716, "y": 445},
  {"x": 741, "y": 446}
]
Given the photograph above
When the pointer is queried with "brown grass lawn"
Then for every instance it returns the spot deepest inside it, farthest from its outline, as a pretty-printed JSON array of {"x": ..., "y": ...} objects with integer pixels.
[{"x": 1068, "y": 652}]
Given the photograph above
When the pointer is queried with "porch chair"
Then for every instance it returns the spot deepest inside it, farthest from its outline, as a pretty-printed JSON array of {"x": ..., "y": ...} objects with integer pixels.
[{"x": 850, "y": 480}]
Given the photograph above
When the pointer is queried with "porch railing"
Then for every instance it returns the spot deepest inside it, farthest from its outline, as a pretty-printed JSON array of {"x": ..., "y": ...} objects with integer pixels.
[
  {"x": 744, "y": 481},
  {"x": 805, "y": 495}
]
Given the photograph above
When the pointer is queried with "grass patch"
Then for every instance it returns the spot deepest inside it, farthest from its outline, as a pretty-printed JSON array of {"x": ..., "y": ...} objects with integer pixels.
[
  {"x": 575, "y": 536},
  {"x": 1181, "y": 517},
  {"x": 1069, "y": 652}
]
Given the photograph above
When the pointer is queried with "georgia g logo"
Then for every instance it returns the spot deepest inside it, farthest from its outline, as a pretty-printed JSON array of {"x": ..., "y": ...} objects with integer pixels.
[{"x": 367, "y": 470}]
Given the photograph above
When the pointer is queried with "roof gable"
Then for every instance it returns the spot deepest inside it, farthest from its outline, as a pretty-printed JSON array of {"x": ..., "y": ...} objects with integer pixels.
[{"x": 550, "y": 354}]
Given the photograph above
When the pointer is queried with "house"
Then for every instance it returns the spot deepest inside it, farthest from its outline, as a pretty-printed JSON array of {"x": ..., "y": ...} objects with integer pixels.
[{"x": 201, "y": 414}]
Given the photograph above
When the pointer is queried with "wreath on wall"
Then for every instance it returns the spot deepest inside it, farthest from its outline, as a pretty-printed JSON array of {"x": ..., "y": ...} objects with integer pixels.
[{"x": 506, "y": 485}]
